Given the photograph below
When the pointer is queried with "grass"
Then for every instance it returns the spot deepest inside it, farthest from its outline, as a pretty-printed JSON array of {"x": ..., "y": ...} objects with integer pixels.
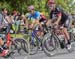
[
  {"x": 17, "y": 35},
  {"x": 20, "y": 36}
]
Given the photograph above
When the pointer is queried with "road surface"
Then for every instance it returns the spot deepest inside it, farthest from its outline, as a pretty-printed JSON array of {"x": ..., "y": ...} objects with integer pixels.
[{"x": 61, "y": 54}]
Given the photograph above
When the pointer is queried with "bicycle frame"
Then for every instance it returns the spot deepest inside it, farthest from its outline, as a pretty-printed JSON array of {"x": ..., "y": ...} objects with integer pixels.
[
  {"x": 55, "y": 35},
  {"x": 34, "y": 34}
]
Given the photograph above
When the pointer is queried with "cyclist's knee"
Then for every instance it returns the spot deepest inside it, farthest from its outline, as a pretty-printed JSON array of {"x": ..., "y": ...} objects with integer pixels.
[{"x": 48, "y": 22}]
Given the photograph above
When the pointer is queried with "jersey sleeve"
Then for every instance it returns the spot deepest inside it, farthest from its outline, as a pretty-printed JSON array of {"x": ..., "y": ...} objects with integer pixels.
[
  {"x": 59, "y": 13},
  {"x": 37, "y": 15}
]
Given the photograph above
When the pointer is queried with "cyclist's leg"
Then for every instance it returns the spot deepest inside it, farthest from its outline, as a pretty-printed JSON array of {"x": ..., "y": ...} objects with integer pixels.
[
  {"x": 40, "y": 29},
  {"x": 49, "y": 22},
  {"x": 66, "y": 34},
  {"x": 65, "y": 29},
  {"x": 40, "y": 34},
  {"x": 67, "y": 26}
]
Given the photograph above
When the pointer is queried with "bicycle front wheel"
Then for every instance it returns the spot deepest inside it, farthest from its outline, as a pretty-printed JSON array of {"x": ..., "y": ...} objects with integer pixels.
[
  {"x": 49, "y": 44},
  {"x": 21, "y": 44}
]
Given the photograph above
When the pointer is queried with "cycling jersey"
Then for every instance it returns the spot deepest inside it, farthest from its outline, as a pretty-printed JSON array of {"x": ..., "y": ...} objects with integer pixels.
[
  {"x": 58, "y": 12},
  {"x": 35, "y": 16}
]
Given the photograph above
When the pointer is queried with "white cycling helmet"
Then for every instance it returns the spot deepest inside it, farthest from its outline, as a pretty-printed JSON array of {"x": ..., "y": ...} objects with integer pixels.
[{"x": 31, "y": 7}]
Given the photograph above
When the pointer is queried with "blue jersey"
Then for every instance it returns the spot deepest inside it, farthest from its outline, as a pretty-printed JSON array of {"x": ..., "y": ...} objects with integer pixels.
[{"x": 35, "y": 16}]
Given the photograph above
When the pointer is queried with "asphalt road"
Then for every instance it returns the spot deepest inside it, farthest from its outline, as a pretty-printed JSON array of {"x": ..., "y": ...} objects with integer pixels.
[{"x": 61, "y": 54}]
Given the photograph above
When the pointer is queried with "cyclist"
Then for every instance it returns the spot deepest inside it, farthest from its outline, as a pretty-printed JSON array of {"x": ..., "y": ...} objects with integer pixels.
[
  {"x": 59, "y": 18},
  {"x": 33, "y": 22},
  {"x": 33, "y": 16}
]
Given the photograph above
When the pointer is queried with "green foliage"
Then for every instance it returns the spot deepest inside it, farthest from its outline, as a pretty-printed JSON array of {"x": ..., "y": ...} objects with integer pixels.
[
  {"x": 21, "y": 5},
  {"x": 67, "y": 5},
  {"x": 5, "y": 5}
]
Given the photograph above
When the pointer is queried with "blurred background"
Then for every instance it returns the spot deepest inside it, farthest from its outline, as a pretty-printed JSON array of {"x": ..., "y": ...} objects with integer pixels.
[{"x": 21, "y": 5}]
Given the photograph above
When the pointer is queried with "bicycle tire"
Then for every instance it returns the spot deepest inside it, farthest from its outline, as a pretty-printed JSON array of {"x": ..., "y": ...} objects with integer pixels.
[
  {"x": 72, "y": 37},
  {"x": 46, "y": 49},
  {"x": 22, "y": 42},
  {"x": 35, "y": 45}
]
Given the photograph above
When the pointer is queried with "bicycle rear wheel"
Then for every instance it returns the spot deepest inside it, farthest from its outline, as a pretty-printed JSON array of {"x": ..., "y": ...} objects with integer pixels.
[{"x": 72, "y": 37}]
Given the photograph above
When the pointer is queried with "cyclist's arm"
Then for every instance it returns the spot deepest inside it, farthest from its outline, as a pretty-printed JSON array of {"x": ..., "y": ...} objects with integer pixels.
[
  {"x": 26, "y": 21},
  {"x": 59, "y": 18}
]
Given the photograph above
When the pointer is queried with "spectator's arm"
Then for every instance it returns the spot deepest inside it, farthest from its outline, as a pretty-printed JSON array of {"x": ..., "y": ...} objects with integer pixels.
[{"x": 1, "y": 18}]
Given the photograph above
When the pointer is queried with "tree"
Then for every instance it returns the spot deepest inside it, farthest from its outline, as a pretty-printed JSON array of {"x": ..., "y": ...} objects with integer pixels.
[{"x": 21, "y": 5}]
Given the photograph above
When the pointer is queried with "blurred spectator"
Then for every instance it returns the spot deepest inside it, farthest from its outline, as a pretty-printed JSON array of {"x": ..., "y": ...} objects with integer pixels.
[{"x": 4, "y": 20}]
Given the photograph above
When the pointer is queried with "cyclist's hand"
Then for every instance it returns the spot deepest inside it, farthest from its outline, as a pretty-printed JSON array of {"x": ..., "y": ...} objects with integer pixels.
[{"x": 56, "y": 23}]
